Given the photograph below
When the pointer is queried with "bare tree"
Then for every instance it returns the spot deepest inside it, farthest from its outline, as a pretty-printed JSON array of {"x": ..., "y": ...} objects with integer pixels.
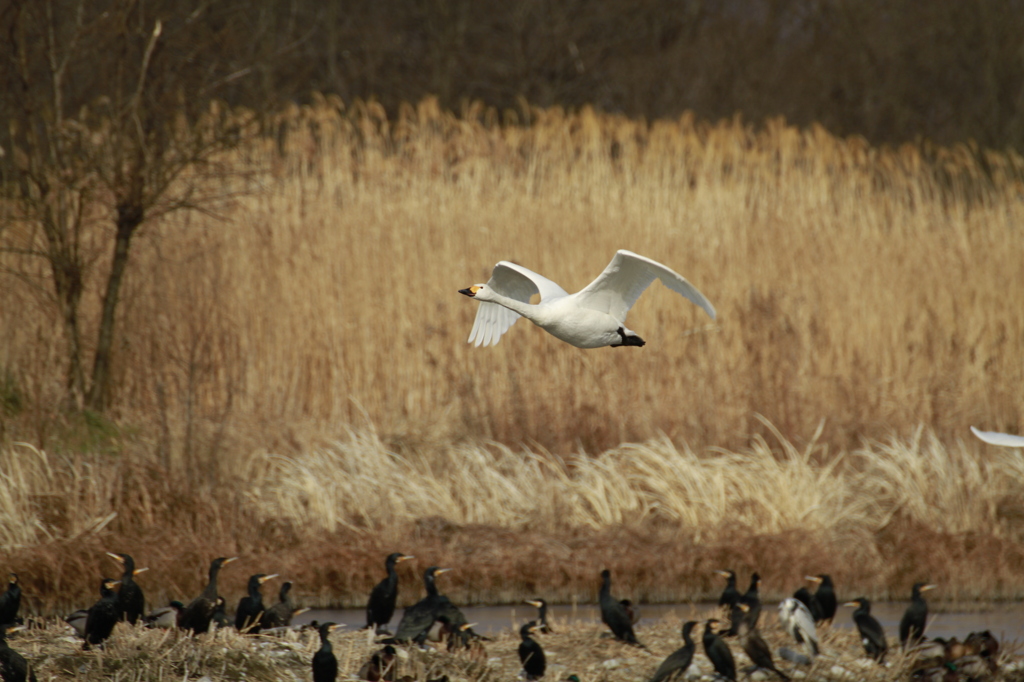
[{"x": 110, "y": 121}]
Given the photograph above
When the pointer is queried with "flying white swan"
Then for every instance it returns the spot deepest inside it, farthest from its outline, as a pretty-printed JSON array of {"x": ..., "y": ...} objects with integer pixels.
[
  {"x": 996, "y": 438},
  {"x": 590, "y": 318}
]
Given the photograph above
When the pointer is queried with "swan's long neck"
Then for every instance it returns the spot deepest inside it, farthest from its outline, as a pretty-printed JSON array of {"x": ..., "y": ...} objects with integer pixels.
[{"x": 527, "y": 310}]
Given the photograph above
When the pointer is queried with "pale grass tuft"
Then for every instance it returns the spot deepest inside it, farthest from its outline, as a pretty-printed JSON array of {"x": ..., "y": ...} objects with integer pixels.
[{"x": 360, "y": 484}]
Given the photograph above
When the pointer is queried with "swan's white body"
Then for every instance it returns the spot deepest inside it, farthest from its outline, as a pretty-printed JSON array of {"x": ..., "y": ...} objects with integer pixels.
[
  {"x": 591, "y": 318},
  {"x": 995, "y": 438},
  {"x": 796, "y": 619}
]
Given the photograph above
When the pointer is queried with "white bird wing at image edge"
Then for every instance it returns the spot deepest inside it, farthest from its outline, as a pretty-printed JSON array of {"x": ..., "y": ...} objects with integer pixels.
[{"x": 996, "y": 438}]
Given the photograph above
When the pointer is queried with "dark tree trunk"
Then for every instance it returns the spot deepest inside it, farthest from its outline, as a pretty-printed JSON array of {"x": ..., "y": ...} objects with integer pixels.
[
  {"x": 68, "y": 283},
  {"x": 129, "y": 217}
]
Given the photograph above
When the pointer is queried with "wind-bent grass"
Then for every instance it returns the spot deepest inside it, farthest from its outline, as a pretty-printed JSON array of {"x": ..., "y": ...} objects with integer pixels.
[
  {"x": 360, "y": 484},
  {"x": 782, "y": 510}
]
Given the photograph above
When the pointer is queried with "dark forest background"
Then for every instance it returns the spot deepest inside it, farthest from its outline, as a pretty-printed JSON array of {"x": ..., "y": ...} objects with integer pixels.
[{"x": 891, "y": 70}]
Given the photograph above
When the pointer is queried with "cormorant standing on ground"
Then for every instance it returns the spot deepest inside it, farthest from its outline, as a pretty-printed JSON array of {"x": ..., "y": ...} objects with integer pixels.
[
  {"x": 633, "y": 613},
  {"x": 130, "y": 600},
  {"x": 531, "y": 655},
  {"x": 196, "y": 616},
  {"x": 730, "y": 595},
  {"x": 381, "y": 606},
  {"x": 751, "y": 614},
  {"x": 756, "y": 648},
  {"x": 418, "y": 618},
  {"x": 916, "y": 616},
  {"x": 13, "y": 666},
  {"x": 10, "y": 601},
  {"x": 718, "y": 652},
  {"x": 250, "y": 607},
  {"x": 753, "y": 600},
  {"x": 614, "y": 614},
  {"x": 325, "y": 664},
  {"x": 826, "y": 595},
  {"x": 103, "y": 615},
  {"x": 679, "y": 660},
  {"x": 280, "y": 614},
  {"x": 872, "y": 636},
  {"x": 542, "y": 614}
]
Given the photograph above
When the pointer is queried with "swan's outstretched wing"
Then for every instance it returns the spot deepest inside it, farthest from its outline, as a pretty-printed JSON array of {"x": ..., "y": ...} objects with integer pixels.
[
  {"x": 616, "y": 289},
  {"x": 514, "y": 281},
  {"x": 996, "y": 438}
]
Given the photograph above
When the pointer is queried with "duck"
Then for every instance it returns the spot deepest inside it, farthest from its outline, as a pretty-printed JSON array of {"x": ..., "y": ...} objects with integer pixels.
[{"x": 593, "y": 317}]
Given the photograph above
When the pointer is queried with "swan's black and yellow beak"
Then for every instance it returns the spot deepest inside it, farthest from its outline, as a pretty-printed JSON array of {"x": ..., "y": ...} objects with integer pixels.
[{"x": 471, "y": 291}]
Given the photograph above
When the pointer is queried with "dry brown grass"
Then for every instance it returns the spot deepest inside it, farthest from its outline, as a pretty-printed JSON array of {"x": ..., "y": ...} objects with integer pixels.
[
  {"x": 139, "y": 655},
  {"x": 876, "y": 289},
  {"x": 282, "y": 358},
  {"x": 512, "y": 521}
]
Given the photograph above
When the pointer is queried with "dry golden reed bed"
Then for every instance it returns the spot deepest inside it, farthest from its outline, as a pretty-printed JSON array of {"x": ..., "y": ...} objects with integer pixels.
[
  {"x": 137, "y": 654},
  {"x": 286, "y": 356},
  {"x": 513, "y": 522}
]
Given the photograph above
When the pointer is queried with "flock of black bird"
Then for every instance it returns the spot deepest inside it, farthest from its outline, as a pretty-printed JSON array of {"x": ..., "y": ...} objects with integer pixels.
[{"x": 437, "y": 619}]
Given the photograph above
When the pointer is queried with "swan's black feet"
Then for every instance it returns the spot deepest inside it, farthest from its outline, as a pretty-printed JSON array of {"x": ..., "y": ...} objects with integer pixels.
[{"x": 633, "y": 340}]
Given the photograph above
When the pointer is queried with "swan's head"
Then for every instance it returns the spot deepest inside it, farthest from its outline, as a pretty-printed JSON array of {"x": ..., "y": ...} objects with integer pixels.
[{"x": 476, "y": 291}]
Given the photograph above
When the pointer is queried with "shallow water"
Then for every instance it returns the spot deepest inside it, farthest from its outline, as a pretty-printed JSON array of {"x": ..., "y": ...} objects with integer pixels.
[{"x": 1004, "y": 620}]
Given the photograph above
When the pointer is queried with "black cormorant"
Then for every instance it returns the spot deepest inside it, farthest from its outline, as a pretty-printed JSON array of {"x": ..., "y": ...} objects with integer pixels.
[
  {"x": 916, "y": 616},
  {"x": 614, "y": 614},
  {"x": 103, "y": 615},
  {"x": 250, "y": 607},
  {"x": 751, "y": 614},
  {"x": 280, "y": 614},
  {"x": 196, "y": 616},
  {"x": 756, "y": 648},
  {"x": 825, "y": 594},
  {"x": 718, "y": 652},
  {"x": 531, "y": 655},
  {"x": 325, "y": 664},
  {"x": 13, "y": 666},
  {"x": 730, "y": 595},
  {"x": 542, "y": 614},
  {"x": 418, "y": 618},
  {"x": 872, "y": 636},
  {"x": 130, "y": 600},
  {"x": 381, "y": 606},
  {"x": 10, "y": 601},
  {"x": 631, "y": 611},
  {"x": 679, "y": 660},
  {"x": 753, "y": 600}
]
